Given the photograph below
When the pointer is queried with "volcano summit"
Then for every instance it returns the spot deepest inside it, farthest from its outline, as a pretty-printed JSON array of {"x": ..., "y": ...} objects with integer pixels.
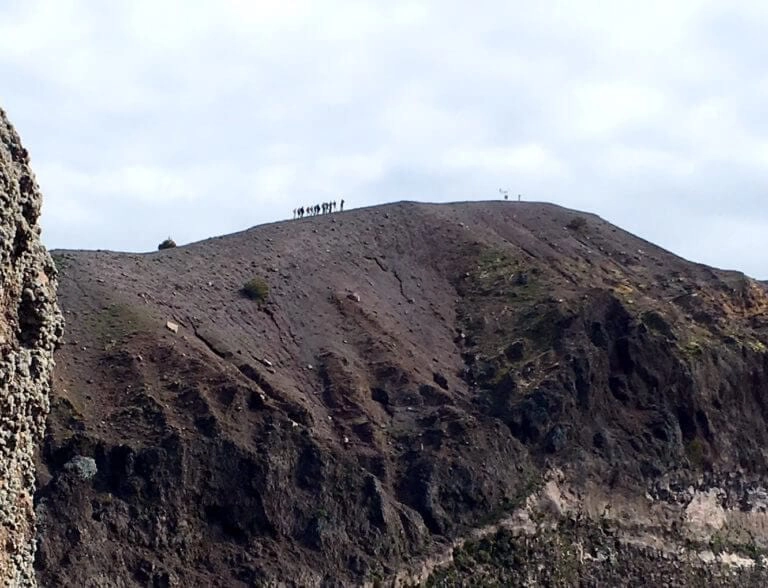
[{"x": 454, "y": 394}]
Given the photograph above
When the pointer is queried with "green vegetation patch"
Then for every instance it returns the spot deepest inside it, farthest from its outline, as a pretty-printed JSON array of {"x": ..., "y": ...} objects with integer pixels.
[
  {"x": 508, "y": 316},
  {"x": 696, "y": 451},
  {"x": 693, "y": 349},
  {"x": 118, "y": 321},
  {"x": 507, "y": 559},
  {"x": 503, "y": 275},
  {"x": 555, "y": 556},
  {"x": 256, "y": 289}
]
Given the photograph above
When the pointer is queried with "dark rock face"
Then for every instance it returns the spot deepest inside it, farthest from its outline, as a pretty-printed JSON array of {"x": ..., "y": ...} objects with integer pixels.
[
  {"x": 30, "y": 325},
  {"x": 321, "y": 439},
  {"x": 623, "y": 384}
]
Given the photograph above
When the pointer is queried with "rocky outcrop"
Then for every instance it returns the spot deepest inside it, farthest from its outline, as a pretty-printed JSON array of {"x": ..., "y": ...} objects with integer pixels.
[{"x": 30, "y": 325}]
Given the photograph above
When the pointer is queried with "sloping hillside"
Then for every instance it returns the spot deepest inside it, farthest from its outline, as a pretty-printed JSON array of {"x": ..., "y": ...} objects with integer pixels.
[{"x": 415, "y": 373}]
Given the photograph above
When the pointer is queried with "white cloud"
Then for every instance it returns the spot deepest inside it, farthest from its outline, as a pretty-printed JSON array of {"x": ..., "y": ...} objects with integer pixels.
[
  {"x": 30, "y": 29},
  {"x": 621, "y": 160},
  {"x": 142, "y": 184},
  {"x": 604, "y": 108},
  {"x": 352, "y": 168},
  {"x": 526, "y": 159}
]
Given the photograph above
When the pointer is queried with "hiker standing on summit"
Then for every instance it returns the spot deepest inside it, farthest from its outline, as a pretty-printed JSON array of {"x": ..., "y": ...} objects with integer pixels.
[{"x": 341, "y": 205}]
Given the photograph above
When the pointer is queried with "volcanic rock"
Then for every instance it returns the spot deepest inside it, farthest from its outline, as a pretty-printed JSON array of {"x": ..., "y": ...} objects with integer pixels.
[{"x": 30, "y": 325}]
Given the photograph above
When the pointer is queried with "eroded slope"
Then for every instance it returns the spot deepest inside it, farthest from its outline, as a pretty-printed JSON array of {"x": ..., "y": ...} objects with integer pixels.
[{"x": 416, "y": 372}]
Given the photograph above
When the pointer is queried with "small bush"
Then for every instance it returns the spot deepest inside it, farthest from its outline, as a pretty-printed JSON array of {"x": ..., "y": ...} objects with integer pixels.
[
  {"x": 256, "y": 289},
  {"x": 167, "y": 244},
  {"x": 717, "y": 544},
  {"x": 577, "y": 224},
  {"x": 696, "y": 452},
  {"x": 693, "y": 349}
]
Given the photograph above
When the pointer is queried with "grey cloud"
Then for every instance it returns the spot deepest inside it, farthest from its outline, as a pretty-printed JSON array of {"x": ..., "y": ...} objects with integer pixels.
[{"x": 206, "y": 126}]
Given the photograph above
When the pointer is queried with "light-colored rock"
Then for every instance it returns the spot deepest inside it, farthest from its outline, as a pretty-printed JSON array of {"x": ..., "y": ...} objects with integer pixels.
[
  {"x": 735, "y": 560},
  {"x": 551, "y": 499},
  {"x": 84, "y": 467},
  {"x": 172, "y": 327},
  {"x": 30, "y": 325},
  {"x": 704, "y": 515}
]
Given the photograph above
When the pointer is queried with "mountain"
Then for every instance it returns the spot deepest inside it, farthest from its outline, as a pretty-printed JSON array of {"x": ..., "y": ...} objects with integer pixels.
[{"x": 451, "y": 394}]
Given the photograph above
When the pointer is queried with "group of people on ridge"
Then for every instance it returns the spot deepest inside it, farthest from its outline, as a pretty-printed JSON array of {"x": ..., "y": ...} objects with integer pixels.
[{"x": 324, "y": 208}]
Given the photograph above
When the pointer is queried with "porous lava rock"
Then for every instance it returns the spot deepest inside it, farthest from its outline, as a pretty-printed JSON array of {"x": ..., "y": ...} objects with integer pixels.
[{"x": 30, "y": 325}]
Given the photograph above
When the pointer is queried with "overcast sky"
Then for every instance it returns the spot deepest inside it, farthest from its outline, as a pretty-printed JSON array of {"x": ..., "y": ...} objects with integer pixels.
[{"x": 196, "y": 118}]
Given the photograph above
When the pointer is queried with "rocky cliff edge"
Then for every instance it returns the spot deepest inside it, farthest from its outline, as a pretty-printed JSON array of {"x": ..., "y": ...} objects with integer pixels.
[{"x": 30, "y": 325}]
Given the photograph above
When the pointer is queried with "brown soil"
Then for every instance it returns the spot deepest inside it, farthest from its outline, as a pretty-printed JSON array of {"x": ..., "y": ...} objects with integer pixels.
[{"x": 413, "y": 371}]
